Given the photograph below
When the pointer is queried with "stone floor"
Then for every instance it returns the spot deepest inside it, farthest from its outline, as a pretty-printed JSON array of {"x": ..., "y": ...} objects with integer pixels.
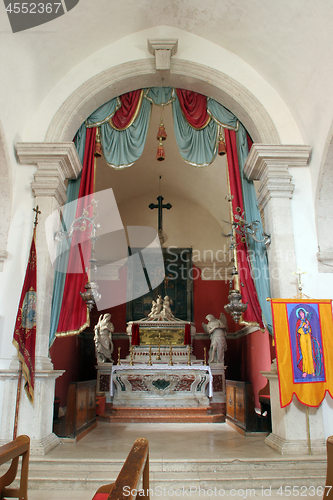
[{"x": 179, "y": 443}]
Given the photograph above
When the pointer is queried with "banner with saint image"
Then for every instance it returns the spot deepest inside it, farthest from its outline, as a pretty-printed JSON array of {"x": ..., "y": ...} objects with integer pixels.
[{"x": 303, "y": 331}]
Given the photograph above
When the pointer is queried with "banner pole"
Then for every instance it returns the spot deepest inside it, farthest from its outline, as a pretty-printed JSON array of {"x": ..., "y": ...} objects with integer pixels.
[
  {"x": 18, "y": 395},
  {"x": 308, "y": 429}
]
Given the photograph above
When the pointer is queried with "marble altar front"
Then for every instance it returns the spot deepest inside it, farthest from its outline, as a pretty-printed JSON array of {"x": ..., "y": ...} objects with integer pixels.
[{"x": 161, "y": 385}]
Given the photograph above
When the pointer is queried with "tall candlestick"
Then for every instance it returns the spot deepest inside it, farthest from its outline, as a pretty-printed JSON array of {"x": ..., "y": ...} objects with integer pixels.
[
  {"x": 118, "y": 363},
  {"x": 205, "y": 362},
  {"x": 149, "y": 362},
  {"x": 170, "y": 362},
  {"x": 159, "y": 351},
  {"x": 189, "y": 356}
]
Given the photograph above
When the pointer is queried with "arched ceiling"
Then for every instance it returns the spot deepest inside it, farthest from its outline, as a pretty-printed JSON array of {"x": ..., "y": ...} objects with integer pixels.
[{"x": 205, "y": 186}]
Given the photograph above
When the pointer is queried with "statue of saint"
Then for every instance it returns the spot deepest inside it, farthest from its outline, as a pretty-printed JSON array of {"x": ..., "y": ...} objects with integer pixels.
[
  {"x": 217, "y": 329},
  {"x": 103, "y": 338}
]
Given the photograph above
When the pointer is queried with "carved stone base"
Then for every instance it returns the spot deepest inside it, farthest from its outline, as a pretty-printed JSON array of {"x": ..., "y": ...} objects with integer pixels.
[
  {"x": 34, "y": 420},
  {"x": 104, "y": 379},
  {"x": 296, "y": 447},
  {"x": 219, "y": 392}
]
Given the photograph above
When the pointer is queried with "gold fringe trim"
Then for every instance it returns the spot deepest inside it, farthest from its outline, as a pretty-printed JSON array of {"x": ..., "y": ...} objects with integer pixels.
[
  {"x": 195, "y": 128},
  {"x": 75, "y": 332},
  {"x": 98, "y": 124},
  {"x": 133, "y": 117},
  {"x": 26, "y": 374}
]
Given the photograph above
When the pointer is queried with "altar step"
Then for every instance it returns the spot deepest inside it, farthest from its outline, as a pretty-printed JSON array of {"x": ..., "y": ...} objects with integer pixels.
[
  {"x": 84, "y": 474},
  {"x": 161, "y": 415}
]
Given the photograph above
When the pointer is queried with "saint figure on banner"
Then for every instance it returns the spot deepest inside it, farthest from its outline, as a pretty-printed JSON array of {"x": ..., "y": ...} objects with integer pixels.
[{"x": 306, "y": 343}]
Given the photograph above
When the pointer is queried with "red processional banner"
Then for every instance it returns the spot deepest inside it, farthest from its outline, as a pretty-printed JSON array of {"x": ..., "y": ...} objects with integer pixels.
[
  {"x": 303, "y": 331},
  {"x": 25, "y": 327}
]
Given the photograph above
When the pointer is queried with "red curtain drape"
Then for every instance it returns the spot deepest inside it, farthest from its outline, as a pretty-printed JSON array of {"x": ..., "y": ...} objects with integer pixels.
[
  {"x": 135, "y": 334},
  {"x": 73, "y": 316},
  {"x": 126, "y": 114},
  {"x": 187, "y": 335},
  {"x": 194, "y": 108},
  {"x": 247, "y": 288}
]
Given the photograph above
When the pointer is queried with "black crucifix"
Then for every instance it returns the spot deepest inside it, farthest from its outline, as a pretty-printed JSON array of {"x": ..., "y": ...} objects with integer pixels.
[{"x": 160, "y": 207}]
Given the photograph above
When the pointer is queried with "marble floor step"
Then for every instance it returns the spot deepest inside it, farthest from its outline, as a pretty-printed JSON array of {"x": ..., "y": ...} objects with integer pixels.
[
  {"x": 70, "y": 474},
  {"x": 161, "y": 415},
  {"x": 81, "y": 480}
]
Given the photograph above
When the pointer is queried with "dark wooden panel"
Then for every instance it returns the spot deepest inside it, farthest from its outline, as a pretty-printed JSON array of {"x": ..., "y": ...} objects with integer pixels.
[
  {"x": 240, "y": 405},
  {"x": 230, "y": 398},
  {"x": 81, "y": 408}
]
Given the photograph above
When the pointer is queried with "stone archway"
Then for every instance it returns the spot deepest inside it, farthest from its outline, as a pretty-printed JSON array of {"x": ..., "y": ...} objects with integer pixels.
[
  {"x": 183, "y": 74},
  {"x": 56, "y": 160}
]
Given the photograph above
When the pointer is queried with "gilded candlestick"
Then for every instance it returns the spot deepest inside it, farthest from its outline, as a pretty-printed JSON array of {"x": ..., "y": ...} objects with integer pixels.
[
  {"x": 158, "y": 358},
  {"x": 205, "y": 362},
  {"x": 118, "y": 362},
  {"x": 170, "y": 361},
  {"x": 149, "y": 361},
  {"x": 189, "y": 356},
  {"x": 131, "y": 360}
]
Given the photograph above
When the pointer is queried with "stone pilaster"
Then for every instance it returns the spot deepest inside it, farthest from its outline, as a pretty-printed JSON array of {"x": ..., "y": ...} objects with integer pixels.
[
  {"x": 269, "y": 164},
  {"x": 55, "y": 163}
]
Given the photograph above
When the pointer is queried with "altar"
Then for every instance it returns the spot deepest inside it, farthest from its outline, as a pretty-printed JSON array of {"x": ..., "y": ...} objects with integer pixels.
[
  {"x": 161, "y": 385},
  {"x": 161, "y": 378}
]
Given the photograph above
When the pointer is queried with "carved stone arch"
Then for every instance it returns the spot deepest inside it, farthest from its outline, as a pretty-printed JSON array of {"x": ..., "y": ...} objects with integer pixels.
[
  {"x": 5, "y": 196},
  {"x": 183, "y": 74},
  {"x": 324, "y": 209}
]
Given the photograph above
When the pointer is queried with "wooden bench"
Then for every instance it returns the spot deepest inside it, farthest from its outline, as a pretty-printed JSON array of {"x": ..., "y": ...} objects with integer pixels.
[
  {"x": 126, "y": 485},
  {"x": 20, "y": 447}
]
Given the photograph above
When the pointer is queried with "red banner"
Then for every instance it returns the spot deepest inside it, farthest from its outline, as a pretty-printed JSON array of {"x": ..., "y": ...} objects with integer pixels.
[
  {"x": 303, "y": 336},
  {"x": 25, "y": 327}
]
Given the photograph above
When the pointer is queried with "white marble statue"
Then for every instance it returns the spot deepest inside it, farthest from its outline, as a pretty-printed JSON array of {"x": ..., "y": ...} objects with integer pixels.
[
  {"x": 103, "y": 338},
  {"x": 166, "y": 311},
  {"x": 217, "y": 329}
]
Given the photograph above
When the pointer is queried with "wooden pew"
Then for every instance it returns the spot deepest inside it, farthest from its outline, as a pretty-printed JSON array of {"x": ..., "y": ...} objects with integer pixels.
[
  {"x": 127, "y": 482},
  {"x": 12, "y": 451},
  {"x": 328, "y": 493}
]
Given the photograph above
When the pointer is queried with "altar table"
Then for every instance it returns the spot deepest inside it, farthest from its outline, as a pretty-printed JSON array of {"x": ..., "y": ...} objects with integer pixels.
[{"x": 161, "y": 385}]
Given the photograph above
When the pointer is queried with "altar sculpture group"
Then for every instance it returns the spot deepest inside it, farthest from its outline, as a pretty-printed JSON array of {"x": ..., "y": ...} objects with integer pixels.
[{"x": 161, "y": 310}]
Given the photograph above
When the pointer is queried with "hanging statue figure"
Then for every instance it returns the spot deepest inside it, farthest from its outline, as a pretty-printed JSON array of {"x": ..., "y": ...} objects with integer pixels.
[
  {"x": 217, "y": 329},
  {"x": 103, "y": 338}
]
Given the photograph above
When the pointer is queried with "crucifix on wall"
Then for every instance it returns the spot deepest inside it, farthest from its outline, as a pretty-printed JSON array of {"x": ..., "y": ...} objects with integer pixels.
[{"x": 160, "y": 207}]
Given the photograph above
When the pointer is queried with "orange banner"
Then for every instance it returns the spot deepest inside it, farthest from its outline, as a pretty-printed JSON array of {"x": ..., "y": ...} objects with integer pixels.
[{"x": 303, "y": 331}]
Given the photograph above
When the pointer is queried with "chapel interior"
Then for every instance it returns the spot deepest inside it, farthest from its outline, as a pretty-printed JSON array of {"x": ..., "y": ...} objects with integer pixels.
[{"x": 209, "y": 424}]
